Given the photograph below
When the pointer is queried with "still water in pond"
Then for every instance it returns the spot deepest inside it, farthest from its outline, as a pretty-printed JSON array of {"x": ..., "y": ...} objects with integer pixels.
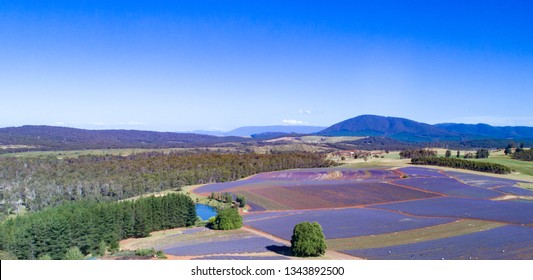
[{"x": 205, "y": 211}]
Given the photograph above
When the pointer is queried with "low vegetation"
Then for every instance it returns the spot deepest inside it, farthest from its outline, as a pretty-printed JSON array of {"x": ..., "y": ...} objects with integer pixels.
[
  {"x": 151, "y": 252},
  {"x": 524, "y": 154}
]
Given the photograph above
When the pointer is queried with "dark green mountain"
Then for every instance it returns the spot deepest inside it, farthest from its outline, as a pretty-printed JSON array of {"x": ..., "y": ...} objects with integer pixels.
[
  {"x": 391, "y": 127},
  {"x": 485, "y": 130},
  {"x": 412, "y": 131}
]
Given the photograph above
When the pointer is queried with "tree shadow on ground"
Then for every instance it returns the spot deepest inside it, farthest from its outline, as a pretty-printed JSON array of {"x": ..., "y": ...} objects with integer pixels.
[{"x": 280, "y": 250}]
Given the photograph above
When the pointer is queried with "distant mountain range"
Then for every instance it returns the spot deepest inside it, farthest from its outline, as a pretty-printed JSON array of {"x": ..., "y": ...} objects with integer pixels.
[
  {"x": 247, "y": 131},
  {"x": 412, "y": 131},
  {"x": 64, "y": 138},
  {"x": 485, "y": 130},
  {"x": 381, "y": 128}
]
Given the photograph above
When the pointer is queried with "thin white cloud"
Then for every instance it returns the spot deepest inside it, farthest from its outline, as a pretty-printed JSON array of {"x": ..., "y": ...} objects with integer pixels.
[
  {"x": 307, "y": 112},
  {"x": 98, "y": 123},
  {"x": 135, "y": 123},
  {"x": 294, "y": 122}
]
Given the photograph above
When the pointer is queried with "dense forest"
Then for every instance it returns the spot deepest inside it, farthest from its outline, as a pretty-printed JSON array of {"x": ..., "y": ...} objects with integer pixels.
[
  {"x": 36, "y": 183},
  {"x": 463, "y": 164},
  {"x": 92, "y": 226}
]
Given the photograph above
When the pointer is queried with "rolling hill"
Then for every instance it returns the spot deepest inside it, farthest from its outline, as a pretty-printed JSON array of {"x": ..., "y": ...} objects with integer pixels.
[
  {"x": 63, "y": 138},
  {"x": 45, "y": 138}
]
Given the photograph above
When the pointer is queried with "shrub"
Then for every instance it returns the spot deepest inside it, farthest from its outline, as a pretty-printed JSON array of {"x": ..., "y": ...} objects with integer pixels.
[
  {"x": 524, "y": 154},
  {"x": 227, "y": 219},
  {"x": 482, "y": 153},
  {"x": 74, "y": 253},
  {"x": 150, "y": 253},
  {"x": 7, "y": 256},
  {"x": 45, "y": 257},
  {"x": 308, "y": 240},
  {"x": 102, "y": 248},
  {"x": 241, "y": 200}
]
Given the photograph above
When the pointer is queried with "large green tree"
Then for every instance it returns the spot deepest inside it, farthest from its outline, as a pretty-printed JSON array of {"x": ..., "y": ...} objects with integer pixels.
[
  {"x": 308, "y": 240},
  {"x": 227, "y": 219}
]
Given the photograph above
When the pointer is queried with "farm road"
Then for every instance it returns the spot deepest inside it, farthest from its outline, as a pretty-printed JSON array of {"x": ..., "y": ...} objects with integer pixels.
[{"x": 329, "y": 253}]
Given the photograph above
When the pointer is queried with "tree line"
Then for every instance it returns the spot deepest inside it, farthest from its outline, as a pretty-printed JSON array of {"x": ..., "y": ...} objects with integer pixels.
[
  {"x": 92, "y": 227},
  {"x": 36, "y": 183},
  {"x": 418, "y": 153},
  {"x": 463, "y": 164}
]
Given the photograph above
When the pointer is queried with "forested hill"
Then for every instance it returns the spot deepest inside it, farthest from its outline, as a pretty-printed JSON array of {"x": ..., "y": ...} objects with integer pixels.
[
  {"x": 413, "y": 131},
  {"x": 485, "y": 130},
  {"x": 395, "y": 128},
  {"x": 45, "y": 138}
]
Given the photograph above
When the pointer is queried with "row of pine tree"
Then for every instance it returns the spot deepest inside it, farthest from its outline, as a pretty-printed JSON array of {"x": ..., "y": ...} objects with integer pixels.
[
  {"x": 463, "y": 164},
  {"x": 89, "y": 225}
]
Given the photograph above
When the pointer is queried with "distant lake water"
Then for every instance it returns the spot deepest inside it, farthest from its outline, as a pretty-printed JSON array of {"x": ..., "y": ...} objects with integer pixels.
[{"x": 205, "y": 211}]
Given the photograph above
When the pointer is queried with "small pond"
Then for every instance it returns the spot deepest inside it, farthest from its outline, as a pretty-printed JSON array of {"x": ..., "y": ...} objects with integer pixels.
[{"x": 205, "y": 211}]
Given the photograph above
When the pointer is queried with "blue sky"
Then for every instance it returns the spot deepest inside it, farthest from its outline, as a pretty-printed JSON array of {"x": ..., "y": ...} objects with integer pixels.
[{"x": 218, "y": 65}]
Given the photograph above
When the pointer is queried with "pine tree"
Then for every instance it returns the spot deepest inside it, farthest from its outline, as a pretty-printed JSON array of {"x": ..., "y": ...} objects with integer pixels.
[{"x": 74, "y": 253}]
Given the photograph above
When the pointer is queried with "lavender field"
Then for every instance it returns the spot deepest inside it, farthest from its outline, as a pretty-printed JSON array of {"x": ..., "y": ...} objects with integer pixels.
[
  {"x": 501, "y": 211},
  {"x": 508, "y": 242},
  {"x": 482, "y": 181},
  {"x": 238, "y": 245},
  {"x": 340, "y": 223},
  {"x": 448, "y": 186},
  {"x": 422, "y": 172},
  {"x": 353, "y": 205},
  {"x": 515, "y": 191}
]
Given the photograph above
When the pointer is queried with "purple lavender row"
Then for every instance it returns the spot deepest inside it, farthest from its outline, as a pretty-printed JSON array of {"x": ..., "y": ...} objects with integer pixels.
[
  {"x": 221, "y": 187},
  {"x": 422, "y": 172},
  {"x": 502, "y": 211},
  {"x": 448, "y": 186},
  {"x": 341, "y": 223},
  {"x": 234, "y": 246},
  {"x": 482, "y": 181},
  {"x": 515, "y": 191},
  {"x": 507, "y": 242},
  {"x": 354, "y": 193}
]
